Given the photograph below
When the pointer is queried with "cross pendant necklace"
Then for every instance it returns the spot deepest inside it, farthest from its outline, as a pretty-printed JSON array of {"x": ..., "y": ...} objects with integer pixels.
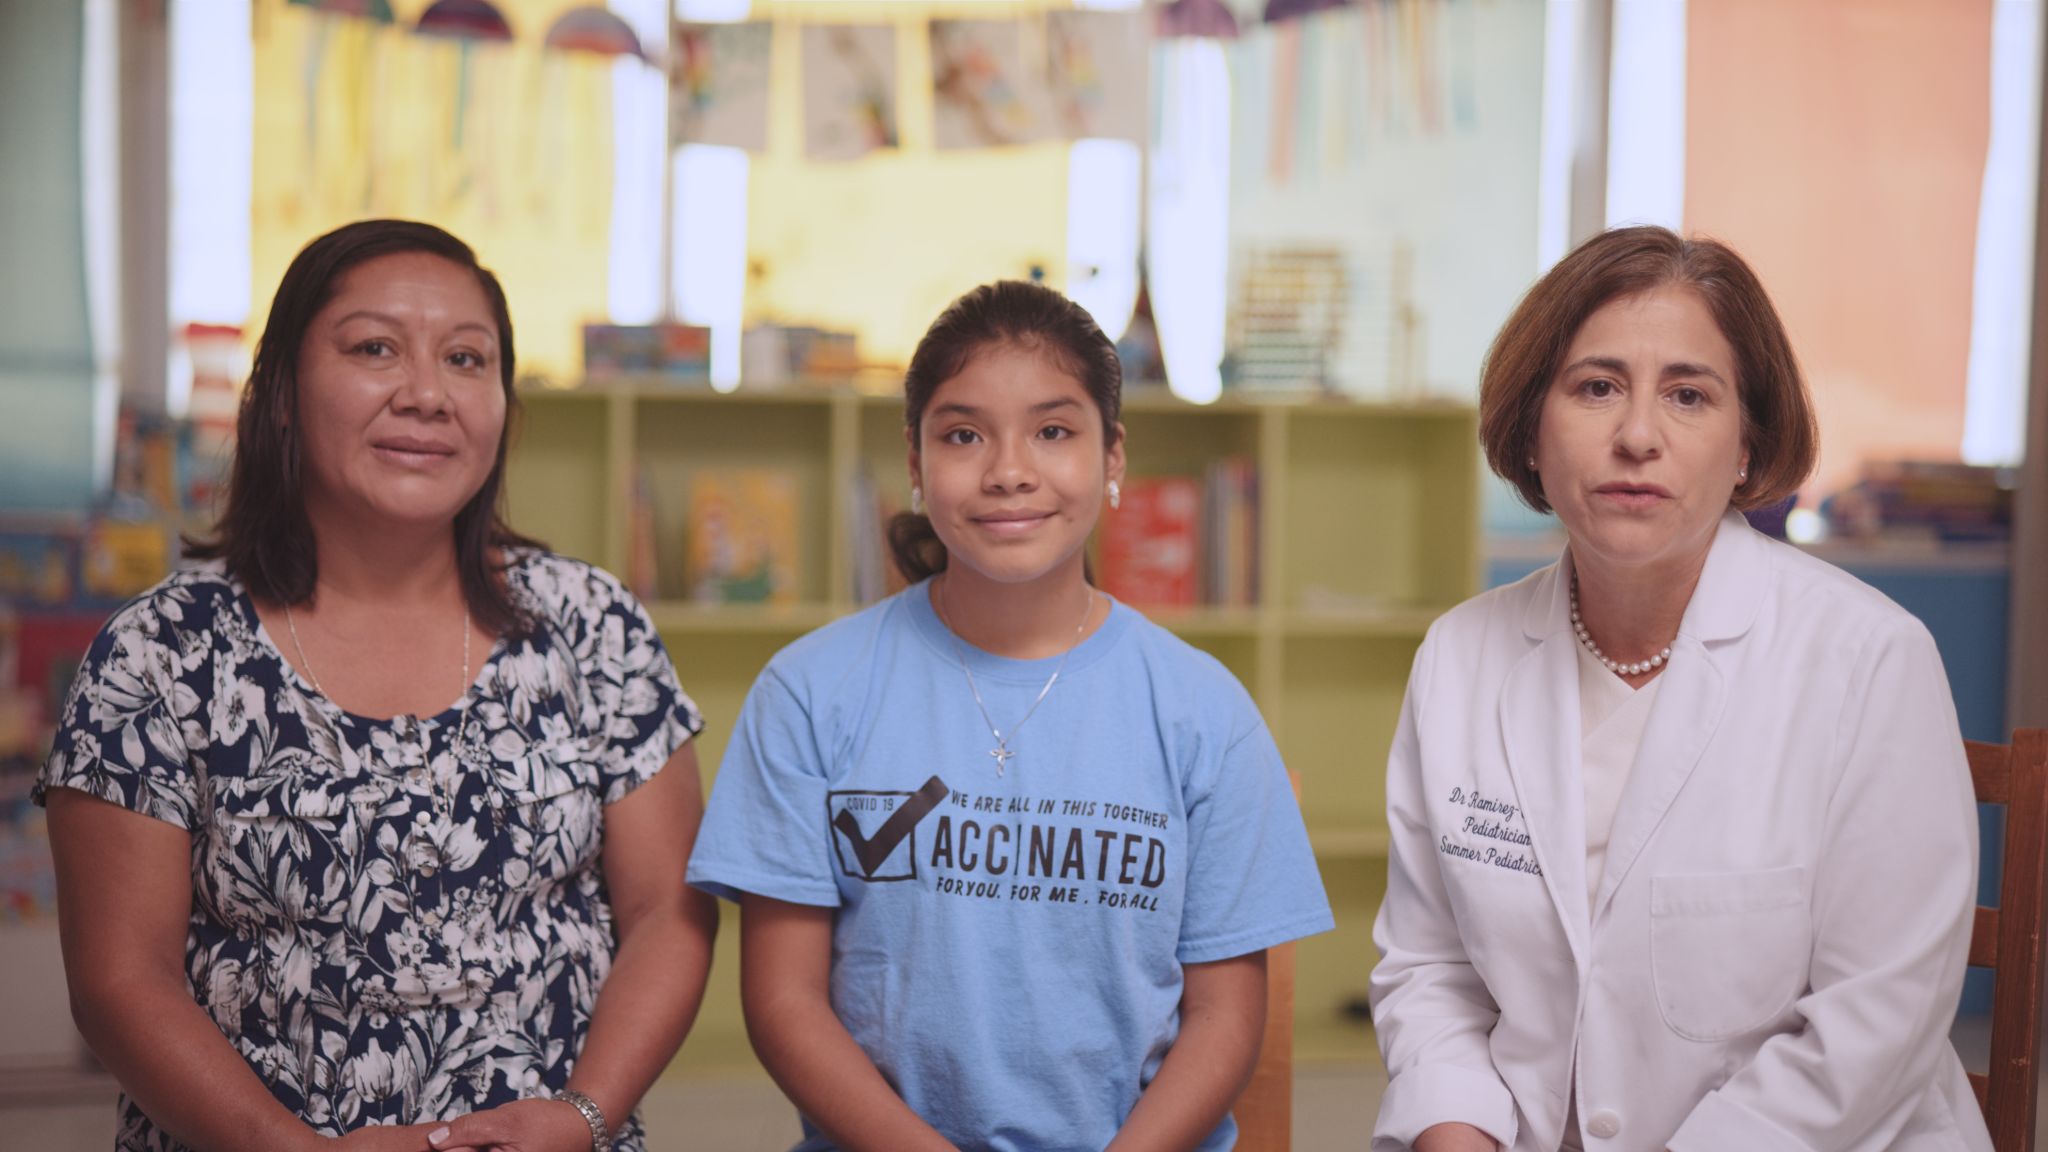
[{"x": 1001, "y": 752}]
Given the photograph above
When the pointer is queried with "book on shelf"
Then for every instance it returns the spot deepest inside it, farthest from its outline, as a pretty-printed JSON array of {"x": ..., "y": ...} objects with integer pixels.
[
  {"x": 1150, "y": 548},
  {"x": 868, "y": 510},
  {"x": 643, "y": 556},
  {"x": 1231, "y": 556},
  {"x": 1183, "y": 541},
  {"x": 741, "y": 543}
]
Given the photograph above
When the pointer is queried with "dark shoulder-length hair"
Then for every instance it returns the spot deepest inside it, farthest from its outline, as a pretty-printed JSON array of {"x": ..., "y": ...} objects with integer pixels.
[
  {"x": 1778, "y": 424},
  {"x": 1013, "y": 313},
  {"x": 263, "y": 533}
]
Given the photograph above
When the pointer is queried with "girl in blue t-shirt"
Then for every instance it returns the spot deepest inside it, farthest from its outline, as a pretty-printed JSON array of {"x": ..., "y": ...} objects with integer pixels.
[{"x": 1008, "y": 855}]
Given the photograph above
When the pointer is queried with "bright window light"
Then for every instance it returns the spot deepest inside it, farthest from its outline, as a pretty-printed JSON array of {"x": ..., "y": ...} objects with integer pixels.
[
  {"x": 2002, "y": 298},
  {"x": 712, "y": 11},
  {"x": 102, "y": 172},
  {"x": 1558, "y": 139},
  {"x": 1188, "y": 251},
  {"x": 633, "y": 292},
  {"x": 1646, "y": 114},
  {"x": 711, "y": 250},
  {"x": 708, "y": 257},
  {"x": 1102, "y": 230},
  {"x": 212, "y": 78}
]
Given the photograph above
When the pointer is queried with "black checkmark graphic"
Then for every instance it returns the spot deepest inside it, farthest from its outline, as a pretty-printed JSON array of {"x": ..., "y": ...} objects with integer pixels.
[{"x": 871, "y": 852}]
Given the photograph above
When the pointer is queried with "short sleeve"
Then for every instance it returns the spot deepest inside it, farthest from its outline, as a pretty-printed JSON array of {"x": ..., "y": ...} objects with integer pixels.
[
  {"x": 645, "y": 713},
  {"x": 1252, "y": 880},
  {"x": 134, "y": 716},
  {"x": 764, "y": 829}
]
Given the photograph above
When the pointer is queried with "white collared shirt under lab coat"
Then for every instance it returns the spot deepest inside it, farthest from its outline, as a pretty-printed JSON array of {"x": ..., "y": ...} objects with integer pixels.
[{"x": 1776, "y": 949}]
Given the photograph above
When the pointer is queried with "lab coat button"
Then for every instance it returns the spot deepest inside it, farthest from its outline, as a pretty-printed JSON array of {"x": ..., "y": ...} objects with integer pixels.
[{"x": 1604, "y": 1123}]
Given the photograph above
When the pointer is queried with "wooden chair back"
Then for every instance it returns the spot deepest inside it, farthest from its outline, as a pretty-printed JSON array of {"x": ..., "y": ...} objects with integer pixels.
[
  {"x": 2007, "y": 939},
  {"x": 1265, "y": 1109}
]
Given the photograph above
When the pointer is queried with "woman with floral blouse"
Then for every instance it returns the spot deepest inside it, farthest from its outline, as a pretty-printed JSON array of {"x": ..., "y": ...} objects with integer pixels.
[{"x": 371, "y": 828}]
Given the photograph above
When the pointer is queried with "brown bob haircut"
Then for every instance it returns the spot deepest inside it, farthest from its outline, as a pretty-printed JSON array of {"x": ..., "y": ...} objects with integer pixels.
[
  {"x": 263, "y": 534},
  {"x": 1778, "y": 425}
]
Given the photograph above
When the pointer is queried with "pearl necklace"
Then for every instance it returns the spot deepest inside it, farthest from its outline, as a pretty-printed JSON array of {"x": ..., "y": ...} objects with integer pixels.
[{"x": 1614, "y": 666}]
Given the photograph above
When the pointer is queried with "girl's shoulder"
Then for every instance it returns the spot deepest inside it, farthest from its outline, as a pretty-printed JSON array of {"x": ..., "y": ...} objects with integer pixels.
[{"x": 831, "y": 651}]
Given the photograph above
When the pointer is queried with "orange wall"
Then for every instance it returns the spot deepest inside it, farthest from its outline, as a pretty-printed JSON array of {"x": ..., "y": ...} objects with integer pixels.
[{"x": 1839, "y": 146}]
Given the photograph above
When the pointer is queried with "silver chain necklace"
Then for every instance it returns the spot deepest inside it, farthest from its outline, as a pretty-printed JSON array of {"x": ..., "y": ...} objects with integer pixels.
[
  {"x": 1617, "y": 667},
  {"x": 1001, "y": 751},
  {"x": 443, "y": 802}
]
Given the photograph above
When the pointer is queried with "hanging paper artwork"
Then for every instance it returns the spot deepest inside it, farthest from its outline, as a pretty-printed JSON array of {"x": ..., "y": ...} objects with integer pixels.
[
  {"x": 718, "y": 85},
  {"x": 849, "y": 90},
  {"x": 1097, "y": 63},
  {"x": 984, "y": 92}
]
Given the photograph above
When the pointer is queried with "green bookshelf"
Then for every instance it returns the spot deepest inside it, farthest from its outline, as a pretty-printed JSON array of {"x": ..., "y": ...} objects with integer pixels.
[{"x": 1369, "y": 528}]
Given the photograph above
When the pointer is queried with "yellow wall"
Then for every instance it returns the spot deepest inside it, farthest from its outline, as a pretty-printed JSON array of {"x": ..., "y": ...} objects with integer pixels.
[
  {"x": 354, "y": 121},
  {"x": 877, "y": 246},
  {"x": 880, "y": 245}
]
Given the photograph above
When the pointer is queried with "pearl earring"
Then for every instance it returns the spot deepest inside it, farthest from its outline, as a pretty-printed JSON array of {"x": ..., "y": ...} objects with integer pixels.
[
  {"x": 916, "y": 500},
  {"x": 1116, "y": 495},
  {"x": 1532, "y": 463}
]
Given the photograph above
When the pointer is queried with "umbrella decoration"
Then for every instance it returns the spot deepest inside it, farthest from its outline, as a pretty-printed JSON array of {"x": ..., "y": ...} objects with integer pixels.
[
  {"x": 468, "y": 23},
  {"x": 1278, "y": 10},
  {"x": 347, "y": 31},
  {"x": 595, "y": 30},
  {"x": 464, "y": 20},
  {"x": 376, "y": 11},
  {"x": 1211, "y": 19}
]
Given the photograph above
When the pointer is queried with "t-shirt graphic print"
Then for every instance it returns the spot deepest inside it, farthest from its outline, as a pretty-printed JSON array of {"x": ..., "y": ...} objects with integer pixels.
[{"x": 1008, "y": 947}]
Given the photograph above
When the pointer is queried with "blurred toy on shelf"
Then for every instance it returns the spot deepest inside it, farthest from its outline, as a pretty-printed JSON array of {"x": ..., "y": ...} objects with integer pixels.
[
  {"x": 670, "y": 353},
  {"x": 1934, "y": 503},
  {"x": 776, "y": 354}
]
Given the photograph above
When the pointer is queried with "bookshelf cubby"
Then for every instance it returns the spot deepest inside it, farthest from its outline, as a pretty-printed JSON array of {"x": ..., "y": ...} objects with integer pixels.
[{"x": 1368, "y": 529}]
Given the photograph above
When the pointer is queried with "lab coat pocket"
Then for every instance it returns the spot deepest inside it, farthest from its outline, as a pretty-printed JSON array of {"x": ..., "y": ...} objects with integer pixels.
[{"x": 1729, "y": 951}]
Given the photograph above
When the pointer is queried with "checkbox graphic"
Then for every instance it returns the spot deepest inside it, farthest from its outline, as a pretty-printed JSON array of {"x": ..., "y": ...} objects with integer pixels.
[{"x": 874, "y": 834}]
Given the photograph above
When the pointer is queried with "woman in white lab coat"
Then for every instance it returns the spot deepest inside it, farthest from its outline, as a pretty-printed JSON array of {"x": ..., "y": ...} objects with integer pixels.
[{"x": 1683, "y": 841}]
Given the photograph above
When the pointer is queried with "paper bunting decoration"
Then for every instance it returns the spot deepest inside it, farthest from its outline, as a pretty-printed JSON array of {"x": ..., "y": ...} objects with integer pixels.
[
  {"x": 1279, "y": 10},
  {"x": 464, "y": 20},
  {"x": 849, "y": 90},
  {"x": 1098, "y": 76},
  {"x": 1205, "y": 18},
  {"x": 983, "y": 93},
  {"x": 718, "y": 85},
  {"x": 597, "y": 31},
  {"x": 376, "y": 11}
]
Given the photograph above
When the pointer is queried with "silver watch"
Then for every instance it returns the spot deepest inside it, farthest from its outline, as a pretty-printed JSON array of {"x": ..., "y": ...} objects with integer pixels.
[{"x": 600, "y": 1135}]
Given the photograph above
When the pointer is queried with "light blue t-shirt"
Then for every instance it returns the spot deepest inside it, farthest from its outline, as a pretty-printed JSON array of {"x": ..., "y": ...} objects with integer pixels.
[{"x": 1008, "y": 949}]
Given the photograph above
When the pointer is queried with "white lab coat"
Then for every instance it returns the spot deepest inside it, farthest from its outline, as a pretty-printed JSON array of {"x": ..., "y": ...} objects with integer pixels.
[{"x": 1774, "y": 956}]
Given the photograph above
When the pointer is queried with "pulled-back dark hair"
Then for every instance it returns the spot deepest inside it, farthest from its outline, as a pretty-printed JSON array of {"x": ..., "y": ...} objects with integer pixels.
[
  {"x": 1012, "y": 313},
  {"x": 263, "y": 533}
]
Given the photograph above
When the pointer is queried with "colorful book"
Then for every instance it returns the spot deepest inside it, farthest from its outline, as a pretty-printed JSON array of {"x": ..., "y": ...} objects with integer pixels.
[
  {"x": 1151, "y": 546},
  {"x": 742, "y": 537}
]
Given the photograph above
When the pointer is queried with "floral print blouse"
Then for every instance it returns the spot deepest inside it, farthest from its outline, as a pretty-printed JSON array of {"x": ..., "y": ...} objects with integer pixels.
[{"x": 393, "y": 920}]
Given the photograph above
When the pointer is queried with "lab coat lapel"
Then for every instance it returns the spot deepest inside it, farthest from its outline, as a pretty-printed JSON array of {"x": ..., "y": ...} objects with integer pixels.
[
  {"x": 1691, "y": 696},
  {"x": 1539, "y": 720}
]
